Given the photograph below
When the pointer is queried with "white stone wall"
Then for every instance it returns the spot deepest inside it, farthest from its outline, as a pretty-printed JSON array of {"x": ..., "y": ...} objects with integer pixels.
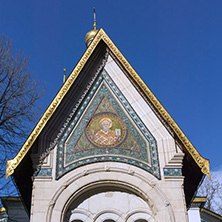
[
  {"x": 194, "y": 214},
  {"x": 51, "y": 199},
  {"x": 166, "y": 144}
]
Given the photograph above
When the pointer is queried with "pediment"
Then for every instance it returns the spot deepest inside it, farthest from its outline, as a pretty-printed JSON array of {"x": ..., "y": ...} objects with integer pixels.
[
  {"x": 106, "y": 128},
  {"x": 101, "y": 36}
]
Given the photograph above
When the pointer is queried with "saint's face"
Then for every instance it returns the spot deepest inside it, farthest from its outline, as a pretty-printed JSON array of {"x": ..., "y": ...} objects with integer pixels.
[{"x": 105, "y": 124}]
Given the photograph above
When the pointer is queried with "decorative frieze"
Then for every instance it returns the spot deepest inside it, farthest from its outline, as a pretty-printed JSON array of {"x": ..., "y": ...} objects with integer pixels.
[
  {"x": 43, "y": 172},
  {"x": 172, "y": 172}
]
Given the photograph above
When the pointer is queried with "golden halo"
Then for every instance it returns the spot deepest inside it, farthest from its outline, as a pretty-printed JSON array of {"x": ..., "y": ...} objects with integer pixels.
[{"x": 108, "y": 119}]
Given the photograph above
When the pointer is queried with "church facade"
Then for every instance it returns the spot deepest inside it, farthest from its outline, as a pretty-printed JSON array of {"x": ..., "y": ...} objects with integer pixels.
[{"x": 106, "y": 150}]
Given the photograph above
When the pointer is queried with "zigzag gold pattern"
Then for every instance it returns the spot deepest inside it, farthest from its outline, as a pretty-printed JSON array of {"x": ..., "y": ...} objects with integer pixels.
[{"x": 101, "y": 35}]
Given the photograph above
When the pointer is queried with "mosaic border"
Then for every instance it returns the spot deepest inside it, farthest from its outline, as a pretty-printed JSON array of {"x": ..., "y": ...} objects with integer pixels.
[
  {"x": 153, "y": 169},
  {"x": 88, "y": 114},
  {"x": 43, "y": 172},
  {"x": 172, "y": 172}
]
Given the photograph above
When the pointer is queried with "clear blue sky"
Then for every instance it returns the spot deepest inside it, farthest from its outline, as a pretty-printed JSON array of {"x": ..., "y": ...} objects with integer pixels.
[{"x": 175, "y": 46}]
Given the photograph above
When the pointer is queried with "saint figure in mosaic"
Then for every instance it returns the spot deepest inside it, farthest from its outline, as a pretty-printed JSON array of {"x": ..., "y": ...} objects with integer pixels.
[
  {"x": 106, "y": 136},
  {"x": 106, "y": 130}
]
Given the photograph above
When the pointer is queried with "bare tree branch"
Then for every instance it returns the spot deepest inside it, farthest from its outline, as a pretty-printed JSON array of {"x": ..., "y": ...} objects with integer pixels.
[
  {"x": 18, "y": 96},
  {"x": 212, "y": 190}
]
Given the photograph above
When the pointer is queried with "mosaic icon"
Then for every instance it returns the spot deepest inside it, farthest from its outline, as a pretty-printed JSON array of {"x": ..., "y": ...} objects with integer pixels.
[{"x": 106, "y": 130}]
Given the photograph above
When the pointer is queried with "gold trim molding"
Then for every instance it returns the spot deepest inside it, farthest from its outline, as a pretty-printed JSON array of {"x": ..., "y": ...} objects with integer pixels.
[
  {"x": 199, "y": 199},
  {"x": 101, "y": 35},
  {"x": 12, "y": 164},
  {"x": 201, "y": 162}
]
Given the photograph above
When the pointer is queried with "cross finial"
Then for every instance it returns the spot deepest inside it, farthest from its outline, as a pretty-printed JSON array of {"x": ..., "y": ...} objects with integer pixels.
[{"x": 94, "y": 25}]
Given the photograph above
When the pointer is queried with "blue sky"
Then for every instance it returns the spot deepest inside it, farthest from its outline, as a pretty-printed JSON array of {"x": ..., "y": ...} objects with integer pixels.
[{"x": 175, "y": 46}]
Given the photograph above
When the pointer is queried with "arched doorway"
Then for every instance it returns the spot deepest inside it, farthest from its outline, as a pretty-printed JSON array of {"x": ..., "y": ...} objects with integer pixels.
[
  {"x": 82, "y": 188},
  {"x": 109, "y": 205}
]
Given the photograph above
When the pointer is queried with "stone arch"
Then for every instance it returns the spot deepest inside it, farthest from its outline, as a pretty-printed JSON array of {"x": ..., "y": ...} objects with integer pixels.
[
  {"x": 108, "y": 216},
  {"x": 109, "y": 195},
  {"x": 80, "y": 215},
  {"x": 139, "y": 216},
  {"x": 121, "y": 176}
]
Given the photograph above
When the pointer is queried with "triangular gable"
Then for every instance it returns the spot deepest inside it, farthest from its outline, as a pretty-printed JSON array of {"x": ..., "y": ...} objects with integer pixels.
[
  {"x": 102, "y": 36},
  {"x": 84, "y": 141}
]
